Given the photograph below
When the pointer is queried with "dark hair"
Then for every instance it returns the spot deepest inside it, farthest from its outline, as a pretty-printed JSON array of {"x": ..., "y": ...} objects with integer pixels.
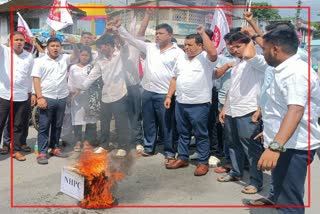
[
  {"x": 105, "y": 40},
  {"x": 86, "y": 33},
  {"x": 196, "y": 37},
  {"x": 174, "y": 40},
  {"x": 17, "y": 33},
  {"x": 232, "y": 31},
  {"x": 235, "y": 29},
  {"x": 279, "y": 25},
  {"x": 227, "y": 36},
  {"x": 239, "y": 37},
  {"x": 286, "y": 38},
  {"x": 165, "y": 26},
  {"x": 87, "y": 49},
  {"x": 53, "y": 39},
  {"x": 209, "y": 33}
]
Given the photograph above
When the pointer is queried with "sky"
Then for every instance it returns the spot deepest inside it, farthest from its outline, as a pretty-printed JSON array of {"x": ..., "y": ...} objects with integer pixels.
[{"x": 315, "y": 7}]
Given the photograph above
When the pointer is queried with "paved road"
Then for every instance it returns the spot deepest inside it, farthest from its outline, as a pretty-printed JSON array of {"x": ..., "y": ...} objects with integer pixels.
[{"x": 148, "y": 183}]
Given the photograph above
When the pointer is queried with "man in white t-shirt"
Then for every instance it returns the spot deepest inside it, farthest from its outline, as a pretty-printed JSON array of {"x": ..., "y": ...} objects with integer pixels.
[
  {"x": 50, "y": 84},
  {"x": 290, "y": 110},
  {"x": 192, "y": 83}
]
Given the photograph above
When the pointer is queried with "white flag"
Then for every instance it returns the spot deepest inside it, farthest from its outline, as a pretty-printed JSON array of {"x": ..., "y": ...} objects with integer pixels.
[
  {"x": 59, "y": 16},
  {"x": 24, "y": 28},
  {"x": 219, "y": 27}
]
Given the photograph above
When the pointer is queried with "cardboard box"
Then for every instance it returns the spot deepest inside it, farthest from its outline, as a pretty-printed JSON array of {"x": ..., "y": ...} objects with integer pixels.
[{"x": 72, "y": 183}]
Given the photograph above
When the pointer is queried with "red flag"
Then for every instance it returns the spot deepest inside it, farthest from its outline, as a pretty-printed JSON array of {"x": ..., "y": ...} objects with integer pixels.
[
  {"x": 59, "y": 15},
  {"x": 24, "y": 28}
]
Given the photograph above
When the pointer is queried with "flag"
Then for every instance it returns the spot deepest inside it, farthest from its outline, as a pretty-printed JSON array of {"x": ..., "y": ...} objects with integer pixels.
[
  {"x": 59, "y": 15},
  {"x": 219, "y": 27},
  {"x": 24, "y": 28}
]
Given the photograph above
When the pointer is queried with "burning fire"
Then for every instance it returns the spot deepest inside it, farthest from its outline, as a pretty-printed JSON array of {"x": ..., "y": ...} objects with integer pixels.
[{"x": 99, "y": 178}]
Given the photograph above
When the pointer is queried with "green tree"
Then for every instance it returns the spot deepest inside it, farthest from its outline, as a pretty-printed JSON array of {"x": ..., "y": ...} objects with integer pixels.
[{"x": 265, "y": 13}]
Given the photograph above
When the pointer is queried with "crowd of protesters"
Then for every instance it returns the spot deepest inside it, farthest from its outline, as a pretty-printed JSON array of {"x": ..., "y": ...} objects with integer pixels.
[{"x": 260, "y": 102}]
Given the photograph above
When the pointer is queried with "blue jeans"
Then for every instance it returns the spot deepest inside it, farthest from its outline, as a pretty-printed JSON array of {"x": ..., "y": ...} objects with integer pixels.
[
  {"x": 135, "y": 114},
  {"x": 50, "y": 119},
  {"x": 241, "y": 145},
  {"x": 155, "y": 115},
  {"x": 288, "y": 179},
  {"x": 188, "y": 117}
]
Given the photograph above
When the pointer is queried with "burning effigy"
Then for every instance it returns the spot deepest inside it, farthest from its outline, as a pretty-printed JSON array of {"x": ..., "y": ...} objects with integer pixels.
[{"x": 101, "y": 171}]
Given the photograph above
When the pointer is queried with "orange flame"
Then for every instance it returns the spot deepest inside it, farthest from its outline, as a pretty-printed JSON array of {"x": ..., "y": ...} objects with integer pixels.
[{"x": 99, "y": 179}]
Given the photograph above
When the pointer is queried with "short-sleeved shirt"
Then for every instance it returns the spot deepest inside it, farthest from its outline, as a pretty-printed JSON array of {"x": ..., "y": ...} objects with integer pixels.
[
  {"x": 194, "y": 79},
  {"x": 225, "y": 79},
  {"x": 53, "y": 75}
]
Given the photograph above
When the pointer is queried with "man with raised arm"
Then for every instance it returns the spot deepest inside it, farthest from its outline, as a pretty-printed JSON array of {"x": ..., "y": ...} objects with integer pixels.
[
  {"x": 192, "y": 83},
  {"x": 160, "y": 62}
]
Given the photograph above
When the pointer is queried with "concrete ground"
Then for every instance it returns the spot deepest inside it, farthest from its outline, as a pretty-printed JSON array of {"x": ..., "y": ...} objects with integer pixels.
[{"x": 148, "y": 183}]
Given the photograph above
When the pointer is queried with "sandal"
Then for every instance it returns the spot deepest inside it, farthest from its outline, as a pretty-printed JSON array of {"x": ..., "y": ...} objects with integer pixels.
[
  {"x": 4, "y": 150},
  {"x": 77, "y": 147},
  {"x": 25, "y": 148},
  {"x": 260, "y": 202},
  {"x": 251, "y": 189},
  {"x": 228, "y": 178}
]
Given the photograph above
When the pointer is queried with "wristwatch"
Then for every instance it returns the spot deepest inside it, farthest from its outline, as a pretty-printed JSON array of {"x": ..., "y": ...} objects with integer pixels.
[{"x": 276, "y": 147}]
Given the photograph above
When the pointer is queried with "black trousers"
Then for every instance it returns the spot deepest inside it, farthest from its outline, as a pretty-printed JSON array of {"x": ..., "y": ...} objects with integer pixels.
[
  {"x": 6, "y": 131},
  {"x": 20, "y": 120}
]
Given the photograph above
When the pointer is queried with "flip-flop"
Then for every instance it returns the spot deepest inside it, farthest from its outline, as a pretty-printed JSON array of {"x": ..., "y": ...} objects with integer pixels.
[
  {"x": 251, "y": 189},
  {"x": 221, "y": 169},
  {"x": 228, "y": 178},
  {"x": 260, "y": 202}
]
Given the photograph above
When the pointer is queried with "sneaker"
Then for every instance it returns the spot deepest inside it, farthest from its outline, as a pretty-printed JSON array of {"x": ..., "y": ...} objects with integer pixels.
[
  {"x": 194, "y": 156},
  {"x": 139, "y": 148},
  {"x": 112, "y": 146},
  {"x": 58, "y": 153},
  {"x": 121, "y": 153},
  {"x": 213, "y": 161},
  {"x": 42, "y": 159}
]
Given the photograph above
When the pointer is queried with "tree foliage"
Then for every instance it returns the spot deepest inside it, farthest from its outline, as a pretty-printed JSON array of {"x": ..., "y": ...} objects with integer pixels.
[{"x": 265, "y": 13}]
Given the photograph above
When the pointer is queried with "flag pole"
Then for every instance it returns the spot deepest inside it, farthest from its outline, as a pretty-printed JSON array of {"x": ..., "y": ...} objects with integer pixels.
[{"x": 248, "y": 9}]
